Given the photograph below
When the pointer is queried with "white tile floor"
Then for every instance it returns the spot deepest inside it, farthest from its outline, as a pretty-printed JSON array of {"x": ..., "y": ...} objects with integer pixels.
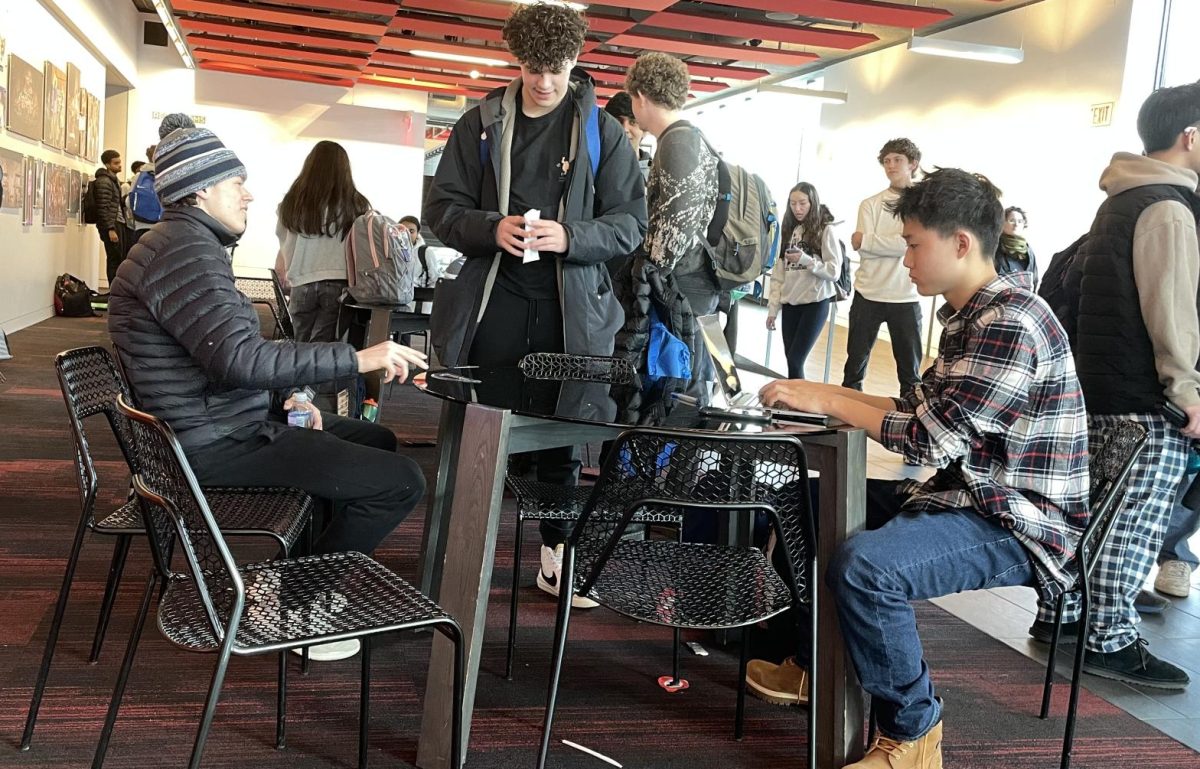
[{"x": 1006, "y": 613}]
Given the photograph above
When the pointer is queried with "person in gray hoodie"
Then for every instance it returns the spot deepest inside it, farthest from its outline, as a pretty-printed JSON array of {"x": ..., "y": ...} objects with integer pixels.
[{"x": 1131, "y": 296}]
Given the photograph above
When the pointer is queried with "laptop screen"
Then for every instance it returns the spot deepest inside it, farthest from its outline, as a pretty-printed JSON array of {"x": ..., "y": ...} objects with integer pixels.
[{"x": 722, "y": 356}]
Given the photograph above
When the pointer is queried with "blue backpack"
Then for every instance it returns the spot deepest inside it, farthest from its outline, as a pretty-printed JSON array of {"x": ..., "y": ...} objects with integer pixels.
[{"x": 143, "y": 200}]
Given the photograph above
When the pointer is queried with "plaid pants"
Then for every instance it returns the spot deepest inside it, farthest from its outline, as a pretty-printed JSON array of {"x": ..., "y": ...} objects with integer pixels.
[{"x": 1136, "y": 536}]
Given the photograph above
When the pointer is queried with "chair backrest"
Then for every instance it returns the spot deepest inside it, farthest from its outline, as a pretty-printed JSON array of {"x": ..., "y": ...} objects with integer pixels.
[
  {"x": 175, "y": 510},
  {"x": 91, "y": 381},
  {"x": 283, "y": 313},
  {"x": 584, "y": 368},
  {"x": 1109, "y": 462},
  {"x": 653, "y": 469},
  {"x": 261, "y": 291}
]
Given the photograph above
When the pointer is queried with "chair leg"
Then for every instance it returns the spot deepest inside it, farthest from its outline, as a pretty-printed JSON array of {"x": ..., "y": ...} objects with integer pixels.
[
  {"x": 739, "y": 717},
  {"x": 114, "y": 704},
  {"x": 813, "y": 688},
  {"x": 675, "y": 641},
  {"x": 210, "y": 704},
  {"x": 364, "y": 703},
  {"x": 281, "y": 703},
  {"x": 512, "y": 601},
  {"x": 1048, "y": 686},
  {"x": 560, "y": 647},
  {"x": 60, "y": 608},
  {"x": 457, "y": 749},
  {"x": 120, "y": 551},
  {"x": 1085, "y": 601},
  {"x": 870, "y": 721}
]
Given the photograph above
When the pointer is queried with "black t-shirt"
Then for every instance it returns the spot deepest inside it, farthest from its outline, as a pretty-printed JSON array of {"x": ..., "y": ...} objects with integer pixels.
[{"x": 540, "y": 148}]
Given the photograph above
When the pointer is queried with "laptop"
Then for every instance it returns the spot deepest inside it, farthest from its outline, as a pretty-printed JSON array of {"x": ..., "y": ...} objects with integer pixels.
[{"x": 735, "y": 395}]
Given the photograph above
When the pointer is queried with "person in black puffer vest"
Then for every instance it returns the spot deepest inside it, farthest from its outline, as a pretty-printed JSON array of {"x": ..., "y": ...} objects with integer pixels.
[
  {"x": 1129, "y": 305},
  {"x": 195, "y": 356}
]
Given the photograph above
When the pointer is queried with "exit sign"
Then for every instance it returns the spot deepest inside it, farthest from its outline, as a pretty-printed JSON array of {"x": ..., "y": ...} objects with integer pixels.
[{"x": 1102, "y": 113}]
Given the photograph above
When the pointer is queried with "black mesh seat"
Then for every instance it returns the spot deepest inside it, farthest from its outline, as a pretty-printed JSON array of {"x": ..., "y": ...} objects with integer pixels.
[
  {"x": 1109, "y": 465},
  {"x": 692, "y": 585},
  {"x": 91, "y": 381},
  {"x": 314, "y": 599},
  {"x": 217, "y": 606},
  {"x": 704, "y": 587},
  {"x": 538, "y": 501}
]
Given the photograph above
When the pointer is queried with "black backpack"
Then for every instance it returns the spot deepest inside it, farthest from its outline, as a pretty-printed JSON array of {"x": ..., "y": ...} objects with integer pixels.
[
  {"x": 91, "y": 211},
  {"x": 843, "y": 286},
  {"x": 72, "y": 297},
  {"x": 1054, "y": 285}
]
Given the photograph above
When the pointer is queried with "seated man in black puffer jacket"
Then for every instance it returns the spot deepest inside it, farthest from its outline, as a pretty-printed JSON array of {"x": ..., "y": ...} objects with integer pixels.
[{"x": 195, "y": 356}]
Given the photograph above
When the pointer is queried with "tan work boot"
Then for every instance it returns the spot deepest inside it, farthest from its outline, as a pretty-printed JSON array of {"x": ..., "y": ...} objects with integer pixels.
[
  {"x": 886, "y": 753},
  {"x": 782, "y": 684}
]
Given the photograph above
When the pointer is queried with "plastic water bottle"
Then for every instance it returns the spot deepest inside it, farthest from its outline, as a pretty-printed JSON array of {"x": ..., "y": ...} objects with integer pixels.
[{"x": 298, "y": 416}]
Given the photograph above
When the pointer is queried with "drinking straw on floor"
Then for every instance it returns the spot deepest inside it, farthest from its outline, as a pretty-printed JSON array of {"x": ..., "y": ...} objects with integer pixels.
[{"x": 591, "y": 752}]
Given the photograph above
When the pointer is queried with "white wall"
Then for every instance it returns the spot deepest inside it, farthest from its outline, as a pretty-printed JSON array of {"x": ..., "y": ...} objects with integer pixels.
[
  {"x": 31, "y": 257},
  {"x": 273, "y": 124}
]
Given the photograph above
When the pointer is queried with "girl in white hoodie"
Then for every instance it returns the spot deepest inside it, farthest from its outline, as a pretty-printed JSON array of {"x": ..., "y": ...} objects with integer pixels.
[{"x": 802, "y": 281}]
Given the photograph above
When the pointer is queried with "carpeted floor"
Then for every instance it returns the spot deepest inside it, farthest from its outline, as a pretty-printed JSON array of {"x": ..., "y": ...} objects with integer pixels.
[{"x": 609, "y": 702}]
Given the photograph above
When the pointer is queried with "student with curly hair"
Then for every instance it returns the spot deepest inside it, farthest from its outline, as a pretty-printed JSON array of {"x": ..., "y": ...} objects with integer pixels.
[
  {"x": 525, "y": 148},
  {"x": 883, "y": 292},
  {"x": 1013, "y": 254}
]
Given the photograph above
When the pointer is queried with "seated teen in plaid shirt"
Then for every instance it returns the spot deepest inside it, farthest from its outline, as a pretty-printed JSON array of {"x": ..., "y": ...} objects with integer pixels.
[{"x": 1001, "y": 416}]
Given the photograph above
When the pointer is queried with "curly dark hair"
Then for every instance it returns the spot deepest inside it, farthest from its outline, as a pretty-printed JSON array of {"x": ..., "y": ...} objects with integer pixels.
[
  {"x": 950, "y": 199},
  {"x": 905, "y": 147},
  {"x": 544, "y": 37},
  {"x": 659, "y": 77}
]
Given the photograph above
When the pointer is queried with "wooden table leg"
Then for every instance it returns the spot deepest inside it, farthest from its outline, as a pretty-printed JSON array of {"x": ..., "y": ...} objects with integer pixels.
[
  {"x": 467, "y": 574},
  {"x": 842, "y": 513}
]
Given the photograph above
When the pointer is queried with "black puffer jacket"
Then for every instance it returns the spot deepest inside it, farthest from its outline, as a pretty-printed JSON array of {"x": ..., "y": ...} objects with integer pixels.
[
  {"x": 108, "y": 200},
  {"x": 190, "y": 342}
]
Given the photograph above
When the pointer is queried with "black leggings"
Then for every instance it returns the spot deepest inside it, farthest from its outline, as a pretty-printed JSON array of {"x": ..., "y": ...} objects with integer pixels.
[
  {"x": 802, "y": 324},
  {"x": 513, "y": 326}
]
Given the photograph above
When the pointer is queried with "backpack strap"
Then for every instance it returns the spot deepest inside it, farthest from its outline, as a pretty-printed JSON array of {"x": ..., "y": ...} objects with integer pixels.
[{"x": 591, "y": 130}]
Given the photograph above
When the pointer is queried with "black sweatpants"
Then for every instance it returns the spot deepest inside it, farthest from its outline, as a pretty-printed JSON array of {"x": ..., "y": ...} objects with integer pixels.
[
  {"x": 513, "y": 326},
  {"x": 350, "y": 463},
  {"x": 903, "y": 320}
]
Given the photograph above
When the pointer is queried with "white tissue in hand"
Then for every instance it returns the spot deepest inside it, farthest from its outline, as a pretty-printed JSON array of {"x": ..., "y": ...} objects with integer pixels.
[{"x": 531, "y": 216}]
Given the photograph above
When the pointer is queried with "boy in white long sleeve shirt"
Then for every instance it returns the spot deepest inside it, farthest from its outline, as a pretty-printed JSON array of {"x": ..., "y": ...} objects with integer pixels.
[{"x": 883, "y": 292}]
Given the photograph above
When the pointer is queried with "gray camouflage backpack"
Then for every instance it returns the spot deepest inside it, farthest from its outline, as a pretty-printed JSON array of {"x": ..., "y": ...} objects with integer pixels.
[{"x": 380, "y": 266}]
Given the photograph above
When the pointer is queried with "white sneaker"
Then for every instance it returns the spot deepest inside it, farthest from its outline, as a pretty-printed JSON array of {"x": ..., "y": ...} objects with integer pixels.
[
  {"x": 1174, "y": 578},
  {"x": 550, "y": 574},
  {"x": 332, "y": 651}
]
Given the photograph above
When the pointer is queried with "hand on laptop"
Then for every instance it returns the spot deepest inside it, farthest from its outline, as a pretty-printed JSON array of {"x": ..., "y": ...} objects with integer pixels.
[{"x": 795, "y": 394}]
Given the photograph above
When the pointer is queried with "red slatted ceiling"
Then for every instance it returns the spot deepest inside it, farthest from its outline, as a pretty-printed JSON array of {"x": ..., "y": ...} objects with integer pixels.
[{"x": 341, "y": 41}]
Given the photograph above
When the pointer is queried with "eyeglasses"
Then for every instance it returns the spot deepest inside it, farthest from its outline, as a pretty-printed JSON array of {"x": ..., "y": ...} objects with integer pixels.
[{"x": 1015, "y": 221}]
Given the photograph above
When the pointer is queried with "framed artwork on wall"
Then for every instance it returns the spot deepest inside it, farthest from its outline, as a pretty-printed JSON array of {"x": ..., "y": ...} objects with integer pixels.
[
  {"x": 71, "y": 144},
  {"x": 26, "y": 98},
  {"x": 12, "y": 165},
  {"x": 73, "y": 193},
  {"x": 39, "y": 181},
  {"x": 55, "y": 125},
  {"x": 27, "y": 191},
  {"x": 55, "y": 212},
  {"x": 93, "y": 128}
]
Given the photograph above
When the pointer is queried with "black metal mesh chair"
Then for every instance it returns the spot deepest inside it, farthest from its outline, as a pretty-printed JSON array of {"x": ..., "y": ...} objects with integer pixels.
[
  {"x": 91, "y": 381},
  {"x": 216, "y": 606},
  {"x": 537, "y": 501},
  {"x": 283, "y": 314},
  {"x": 263, "y": 291},
  {"x": 688, "y": 585},
  {"x": 1109, "y": 465}
]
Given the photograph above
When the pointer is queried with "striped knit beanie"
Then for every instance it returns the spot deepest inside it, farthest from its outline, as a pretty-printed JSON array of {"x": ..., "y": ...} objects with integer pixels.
[{"x": 192, "y": 159}]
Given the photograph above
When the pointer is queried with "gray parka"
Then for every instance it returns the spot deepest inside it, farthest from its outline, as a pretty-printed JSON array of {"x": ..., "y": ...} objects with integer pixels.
[{"x": 604, "y": 217}]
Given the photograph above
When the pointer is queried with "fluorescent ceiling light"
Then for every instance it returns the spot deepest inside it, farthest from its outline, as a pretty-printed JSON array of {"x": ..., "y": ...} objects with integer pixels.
[
  {"x": 460, "y": 58},
  {"x": 829, "y": 97},
  {"x": 574, "y": 6},
  {"x": 955, "y": 49},
  {"x": 164, "y": 15}
]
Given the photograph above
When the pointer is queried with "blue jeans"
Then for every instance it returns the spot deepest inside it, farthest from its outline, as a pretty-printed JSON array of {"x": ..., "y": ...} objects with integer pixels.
[
  {"x": 912, "y": 556},
  {"x": 1185, "y": 522}
]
